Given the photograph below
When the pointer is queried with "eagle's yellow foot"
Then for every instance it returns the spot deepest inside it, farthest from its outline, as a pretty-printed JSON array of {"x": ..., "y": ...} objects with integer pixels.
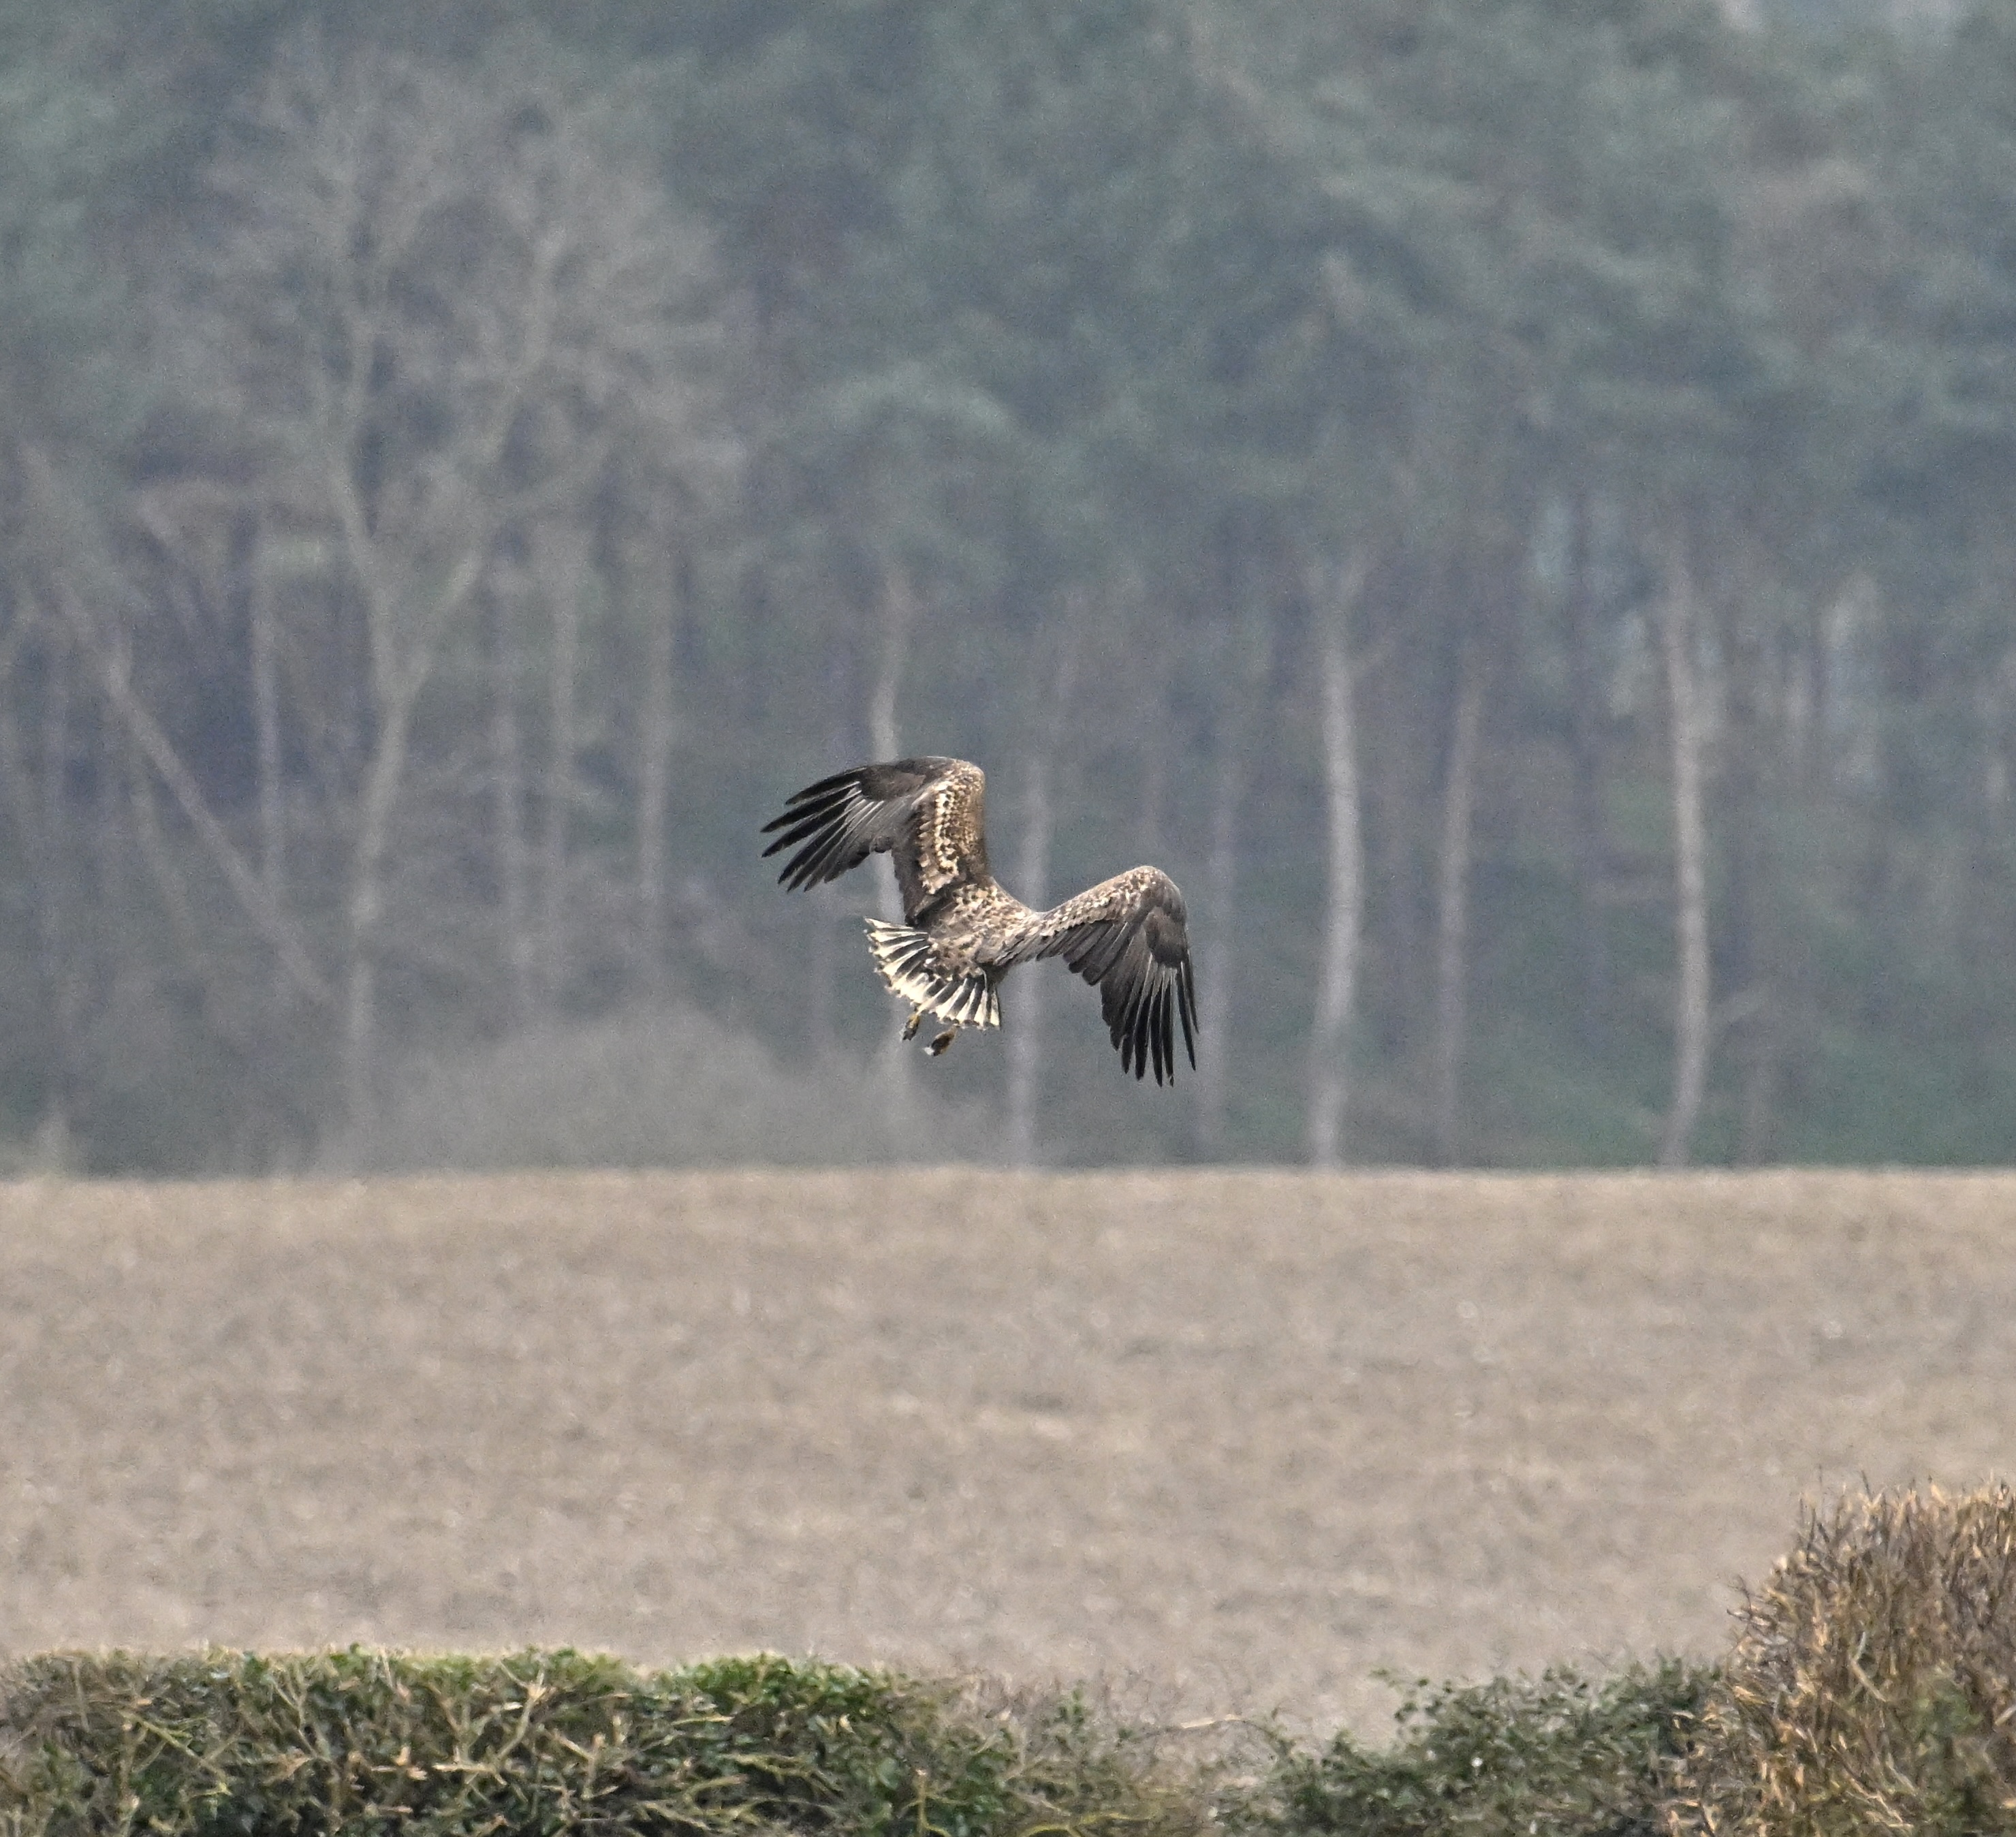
[
  {"x": 943, "y": 1040},
  {"x": 915, "y": 1021}
]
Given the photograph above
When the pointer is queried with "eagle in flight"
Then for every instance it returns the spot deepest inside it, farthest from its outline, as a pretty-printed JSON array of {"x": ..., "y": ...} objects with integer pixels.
[{"x": 961, "y": 933}]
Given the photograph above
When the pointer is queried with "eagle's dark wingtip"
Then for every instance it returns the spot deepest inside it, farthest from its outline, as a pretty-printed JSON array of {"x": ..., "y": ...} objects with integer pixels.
[{"x": 794, "y": 810}]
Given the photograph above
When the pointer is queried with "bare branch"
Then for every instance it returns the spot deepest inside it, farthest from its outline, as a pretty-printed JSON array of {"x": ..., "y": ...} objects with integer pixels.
[{"x": 112, "y": 658}]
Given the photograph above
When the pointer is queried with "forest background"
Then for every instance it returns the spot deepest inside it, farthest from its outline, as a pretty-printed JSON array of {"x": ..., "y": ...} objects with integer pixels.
[{"x": 1511, "y": 502}]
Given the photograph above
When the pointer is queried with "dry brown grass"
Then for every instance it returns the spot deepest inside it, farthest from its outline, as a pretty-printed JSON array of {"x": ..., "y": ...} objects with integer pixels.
[
  {"x": 1872, "y": 1684},
  {"x": 1244, "y": 1436}
]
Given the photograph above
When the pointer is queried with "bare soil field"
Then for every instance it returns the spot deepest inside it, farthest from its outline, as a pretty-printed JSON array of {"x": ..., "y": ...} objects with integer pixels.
[{"x": 1236, "y": 1440}]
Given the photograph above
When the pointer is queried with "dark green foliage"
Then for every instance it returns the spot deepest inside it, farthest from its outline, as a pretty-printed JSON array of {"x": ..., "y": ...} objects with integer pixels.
[
  {"x": 1564, "y": 1754},
  {"x": 1127, "y": 318},
  {"x": 545, "y": 1742}
]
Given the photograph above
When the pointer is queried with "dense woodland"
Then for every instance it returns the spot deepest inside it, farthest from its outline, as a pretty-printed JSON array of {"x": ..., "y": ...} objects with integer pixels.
[{"x": 1512, "y": 503}]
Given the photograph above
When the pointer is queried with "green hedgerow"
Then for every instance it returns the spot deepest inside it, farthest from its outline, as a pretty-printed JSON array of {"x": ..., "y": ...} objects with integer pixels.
[
  {"x": 362, "y": 1742},
  {"x": 1559, "y": 1755},
  {"x": 1871, "y": 1688}
]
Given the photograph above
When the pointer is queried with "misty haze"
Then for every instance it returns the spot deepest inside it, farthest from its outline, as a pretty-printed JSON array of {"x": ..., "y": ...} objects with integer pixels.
[{"x": 1510, "y": 504}]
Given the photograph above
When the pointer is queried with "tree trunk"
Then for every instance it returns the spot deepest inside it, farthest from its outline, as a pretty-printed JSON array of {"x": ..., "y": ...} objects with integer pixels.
[
  {"x": 1221, "y": 882},
  {"x": 1333, "y": 595},
  {"x": 564, "y": 557},
  {"x": 899, "y": 617},
  {"x": 1753, "y": 700},
  {"x": 1585, "y": 727},
  {"x": 507, "y": 816},
  {"x": 1032, "y": 877},
  {"x": 1157, "y": 662},
  {"x": 266, "y": 729},
  {"x": 1243, "y": 680},
  {"x": 1025, "y": 1035},
  {"x": 654, "y": 783},
  {"x": 51, "y": 904},
  {"x": 1691, "y": 1015},
  {"x": 822, "y": 912},
  {"x": 899, "y": 611},
  {"x": 1452, "y": 906},
  {"x": 364, "y": 911},
  {"x": 398, "y": 693}
]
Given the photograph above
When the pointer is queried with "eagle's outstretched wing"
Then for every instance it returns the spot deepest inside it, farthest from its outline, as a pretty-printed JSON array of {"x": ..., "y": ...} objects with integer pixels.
[
  {"x": 927, "y": 812},
  {"x": 1128, "y": 937}
]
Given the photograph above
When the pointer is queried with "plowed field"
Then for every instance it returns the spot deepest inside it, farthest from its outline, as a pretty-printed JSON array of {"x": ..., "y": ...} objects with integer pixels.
[{"x": 1240, "y": 1438}]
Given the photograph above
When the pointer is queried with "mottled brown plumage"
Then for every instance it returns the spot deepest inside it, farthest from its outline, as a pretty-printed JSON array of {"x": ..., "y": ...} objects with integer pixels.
[{"x": 962, "y": 933}]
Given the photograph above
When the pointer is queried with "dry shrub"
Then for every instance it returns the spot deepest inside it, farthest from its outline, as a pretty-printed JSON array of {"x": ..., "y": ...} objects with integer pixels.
[{"x": 1872, "y": 1684}]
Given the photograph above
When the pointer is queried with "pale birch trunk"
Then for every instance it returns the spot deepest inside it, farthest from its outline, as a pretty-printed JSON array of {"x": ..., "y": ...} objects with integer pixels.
[
  {"x": 1032, "y": 881},
  {"x": 1025, "y": 1038},
  {"x": 52, "y": 904},
  {"x": 899, "y": 615},
  {"x": 1452, "y": 908},
  {"x": 564, "y": 563},
  {"x": 657, "y": 731},
  {"x": 1333, "y": 595},
  {"x": 365, "y": 907},
  {"x": 23, "y": 759},
  {"x": 1243, "y": 681},
  {"x": 824, "y": 908},
  {"x": 1750, "y": 760},
  {"x": 509, "y": 851},
  {"x": 1691, "y": 1015},
  {"x": 364, "y": 912},
  {"x": 402, "y": 643},
  {"x": 400, "y": 670},
  {"x": 899, "y": 608},
  {"x": 1215, "y": 973},
  {"x": 266, "y": 731},
  {"x": 1585, "y": 691}
]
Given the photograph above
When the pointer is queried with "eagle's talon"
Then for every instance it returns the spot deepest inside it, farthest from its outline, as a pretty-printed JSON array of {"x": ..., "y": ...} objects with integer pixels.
[
  {"x": 915, "y": 1021},
  {"x": 943, "y": 1040}
]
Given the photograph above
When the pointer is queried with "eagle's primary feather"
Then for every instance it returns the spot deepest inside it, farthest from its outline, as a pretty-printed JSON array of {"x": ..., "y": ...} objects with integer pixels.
[{"x": 962, "y": 933}]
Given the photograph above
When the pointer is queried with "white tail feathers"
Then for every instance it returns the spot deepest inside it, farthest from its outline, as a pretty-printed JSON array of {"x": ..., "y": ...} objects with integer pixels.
[{"x": 907, "y": 962}]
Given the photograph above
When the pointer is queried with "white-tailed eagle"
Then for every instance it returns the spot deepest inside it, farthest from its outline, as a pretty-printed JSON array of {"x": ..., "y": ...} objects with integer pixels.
[{"x": 961, "y": 933}]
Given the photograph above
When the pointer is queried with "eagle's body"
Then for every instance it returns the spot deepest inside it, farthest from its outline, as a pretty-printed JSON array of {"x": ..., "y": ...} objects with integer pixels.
[{"x": 963, "y": 932}]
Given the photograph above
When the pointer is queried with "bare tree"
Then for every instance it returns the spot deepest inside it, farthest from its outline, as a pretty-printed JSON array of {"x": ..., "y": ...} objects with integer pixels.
[
  {"x": 434, "y": 302},
  {"x": 1692, "y": 1017},
  {"x": 1334, "y": 591},
  {"x": 1452, "y": 902}
]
